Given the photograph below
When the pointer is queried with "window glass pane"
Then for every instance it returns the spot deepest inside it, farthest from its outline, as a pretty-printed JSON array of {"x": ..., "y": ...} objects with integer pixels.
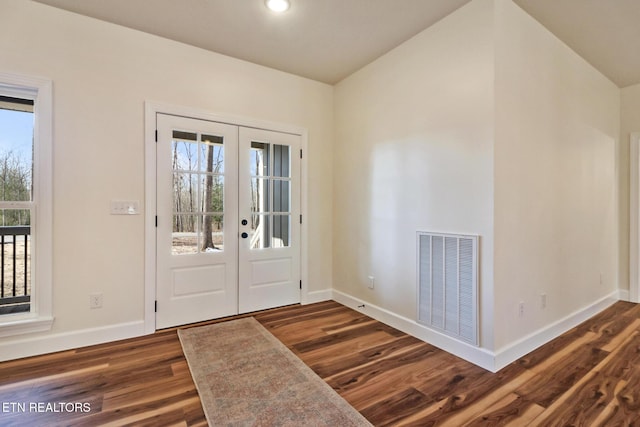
[
  {"x": 259, "y": 232},
  {"x": 281, "y": 196},
  {"x": 185, "y": 193},
  {"x": 15, "y": 217},
  {"x": 259, "y": 159},
  {"x": 212, "y": 233},
  {"x": 211, "y": 154},
  {"x": 16, "y": 150},
  {"x": 185, "y": 234},
  {"x": 281, "y": 231},
  {"x": 281, "y": 161},
  {"x": 212, "y": 187},
  {"x": 15, "y": 259},
  {"x": 259, "y": 195}
]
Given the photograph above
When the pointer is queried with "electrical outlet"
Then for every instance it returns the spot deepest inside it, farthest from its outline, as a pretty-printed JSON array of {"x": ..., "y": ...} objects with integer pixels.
[
  {"x": 371, "y": 282},
  {"x": 95, "y": 300},
  {"x": 521, "y": 309}
]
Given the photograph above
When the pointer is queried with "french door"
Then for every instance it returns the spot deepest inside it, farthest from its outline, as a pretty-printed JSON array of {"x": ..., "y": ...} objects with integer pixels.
[
  {"x": 228, "y": 229},
  {"x": 269, "y": 251}
]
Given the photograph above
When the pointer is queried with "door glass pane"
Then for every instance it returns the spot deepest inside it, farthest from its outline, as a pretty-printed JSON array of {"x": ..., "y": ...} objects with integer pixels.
[
  {"x": 185, "y": 234},
  {"x": 185, "y": 136},
  {"x": 259, "y": 233},
  {"x": 198, "y": 192},
  {"x": 281, "y": 231},
  {"x": 281, "y": 161},
  {"x": 259, "y": 195},
  {"x": 184, "y": 152},
  {"x": 281, "y": 196},
  {"x": 259, "y": 159},
  {"x": 211, "y": 154},
  {"x": 270, "y": 169},
  {"x": 185, "y": 192},
  {"x": 212, "y": 193},
  {"x": 212, "y": 233}
]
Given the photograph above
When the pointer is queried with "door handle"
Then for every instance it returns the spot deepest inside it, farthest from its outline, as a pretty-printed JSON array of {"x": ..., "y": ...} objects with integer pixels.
[{"x": 244, "y": 235}]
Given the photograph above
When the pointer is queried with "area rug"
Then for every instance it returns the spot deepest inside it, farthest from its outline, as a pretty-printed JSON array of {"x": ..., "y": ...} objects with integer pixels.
[{"x": 246, "y": 377}]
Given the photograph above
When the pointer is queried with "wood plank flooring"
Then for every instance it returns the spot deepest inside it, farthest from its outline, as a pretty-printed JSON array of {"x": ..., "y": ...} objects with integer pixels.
[{"x": 589, "y": 376}]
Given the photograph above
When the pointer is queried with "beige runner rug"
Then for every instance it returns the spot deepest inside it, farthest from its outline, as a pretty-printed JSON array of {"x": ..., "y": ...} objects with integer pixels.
[{"x": 246, "y": 377}]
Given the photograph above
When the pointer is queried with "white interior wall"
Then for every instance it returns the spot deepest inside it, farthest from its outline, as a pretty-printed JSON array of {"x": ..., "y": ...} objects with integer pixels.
[
  {"x": 414, "y": 152},
  {"x": 629, "y": 122},
  {"x": 557, "y": 127},
  {"x": 102, "y": 74},
  {"x": 418, "y": 121}
]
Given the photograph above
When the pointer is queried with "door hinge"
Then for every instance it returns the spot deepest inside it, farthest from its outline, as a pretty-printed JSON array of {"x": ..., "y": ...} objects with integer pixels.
[
  {"x": 155, "y": 306},
  {"x": 156, "y": 220},
  {"x": 300, "y": 219},
  {"x": 301, "y": 153},
  {"x": 300, "y": 284},
  {"x": 156, "y": 135}
]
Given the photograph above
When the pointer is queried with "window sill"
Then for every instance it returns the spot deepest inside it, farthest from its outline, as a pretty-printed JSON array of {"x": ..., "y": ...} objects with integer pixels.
[{"x": 24, "y": 325}]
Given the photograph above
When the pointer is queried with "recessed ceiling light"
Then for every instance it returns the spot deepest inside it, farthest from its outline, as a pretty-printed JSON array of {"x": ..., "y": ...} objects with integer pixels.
[{"x": 277, "y": 5}]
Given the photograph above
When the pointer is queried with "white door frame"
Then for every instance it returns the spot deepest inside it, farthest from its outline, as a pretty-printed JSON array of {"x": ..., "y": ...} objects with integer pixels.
[
  {"x": 153, "y": 108},
  {"x": 634, "y": 217}
]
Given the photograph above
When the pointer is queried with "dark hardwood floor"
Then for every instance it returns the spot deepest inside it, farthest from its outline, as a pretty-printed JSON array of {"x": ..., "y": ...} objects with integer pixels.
[{"x": 590, "y": 376}]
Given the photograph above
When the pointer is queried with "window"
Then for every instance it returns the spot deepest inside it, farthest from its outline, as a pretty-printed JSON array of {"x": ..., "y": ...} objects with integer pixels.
[
  {"x": 16, "y": 203},
  {"x": 25, "y": 205}
]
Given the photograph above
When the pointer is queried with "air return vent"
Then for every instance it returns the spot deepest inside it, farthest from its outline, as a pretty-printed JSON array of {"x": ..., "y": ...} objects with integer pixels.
[{"x": 448, "y": 284}]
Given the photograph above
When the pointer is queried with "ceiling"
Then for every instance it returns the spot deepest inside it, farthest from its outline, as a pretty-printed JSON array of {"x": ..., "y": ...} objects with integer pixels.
[
  {"x": 604, "y": 32},
  {"x": 326, "y": 40}
]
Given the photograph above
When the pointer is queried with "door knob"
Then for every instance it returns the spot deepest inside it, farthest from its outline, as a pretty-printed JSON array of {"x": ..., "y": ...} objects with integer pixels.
[
  {"x": 245, "y": 222},
  {"x": 244, "y": 235}
]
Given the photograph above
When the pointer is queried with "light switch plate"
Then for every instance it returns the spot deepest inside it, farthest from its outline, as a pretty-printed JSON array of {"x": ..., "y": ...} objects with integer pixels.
[{"x": 125, "y": 207}]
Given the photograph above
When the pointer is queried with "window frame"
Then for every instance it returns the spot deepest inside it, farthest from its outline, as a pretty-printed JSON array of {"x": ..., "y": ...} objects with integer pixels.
[{"x": 40, "y": 317}]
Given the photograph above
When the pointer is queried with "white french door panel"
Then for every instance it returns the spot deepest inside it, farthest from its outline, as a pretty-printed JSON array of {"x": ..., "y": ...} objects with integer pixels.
[
  {"x": 269, "y": 208},
  {"x": 197, "y": 221},
  {"x": 228, "y": 233}
]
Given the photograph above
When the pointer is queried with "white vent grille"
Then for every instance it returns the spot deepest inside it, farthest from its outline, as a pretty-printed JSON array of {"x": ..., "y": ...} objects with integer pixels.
[{"x": 448, "y": 284}]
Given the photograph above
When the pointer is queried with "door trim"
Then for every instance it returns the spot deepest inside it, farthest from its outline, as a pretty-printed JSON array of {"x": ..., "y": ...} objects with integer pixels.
[
  {"x": 151, "y": 109},
  {"x": 634, "y": 217}
]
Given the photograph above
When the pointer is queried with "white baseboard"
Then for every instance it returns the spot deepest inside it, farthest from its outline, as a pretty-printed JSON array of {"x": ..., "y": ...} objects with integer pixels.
[
  {"x": 316, "y": 296},
  {"x": 475, "y": 355},
  {"x": 26, "y": 346},
  {"x": 33, "y": 346},
  {"x": 624, "y": 295},
  {"x": 489, "y": 360},
  {"x": 516, "y": 350}
]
